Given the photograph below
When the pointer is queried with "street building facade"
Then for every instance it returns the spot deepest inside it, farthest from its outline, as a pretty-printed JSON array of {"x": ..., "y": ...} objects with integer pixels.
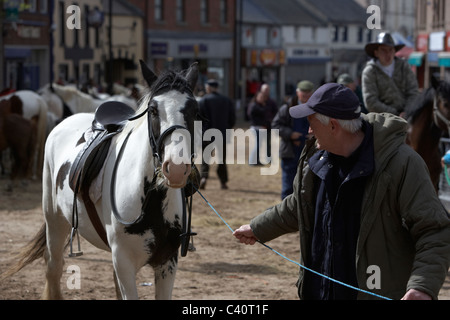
[
  {"x": 432, "y": 39},
  {"x": 179, "y": 32},
  {"x": 25, "y": 44},
  {"x": 69, "y": 42},
  {"x": 83, "y": 56}
]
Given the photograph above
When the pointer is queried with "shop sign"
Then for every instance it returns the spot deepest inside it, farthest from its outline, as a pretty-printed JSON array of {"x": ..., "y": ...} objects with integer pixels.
[
  {"x": 264, "y": 57},
  {"x": 268, "y": 57},
  {"x": 29, "y": 32},
  {"x": 282, "y": 57},
  {"x": 416, "y": 58},
  {"x": 192, "y": 48},
  {"x": 447, "y": 41},
  {"x": 158, "y": 48},
  {"x": 422, "y": 42},
  {"x": 436, "y": 41},
  {"x": 444, "y": 59}
]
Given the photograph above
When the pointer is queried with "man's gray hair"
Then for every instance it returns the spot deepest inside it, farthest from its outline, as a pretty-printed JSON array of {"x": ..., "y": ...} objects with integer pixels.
[{"x": 351, "y": 126}]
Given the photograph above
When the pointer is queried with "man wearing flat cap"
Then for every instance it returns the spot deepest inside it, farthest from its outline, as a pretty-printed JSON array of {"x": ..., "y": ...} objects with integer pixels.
[
  {"x": 293, "y": 134},
  {"x": 388, "y": 83},
  {"x": 362, "y": 200}
]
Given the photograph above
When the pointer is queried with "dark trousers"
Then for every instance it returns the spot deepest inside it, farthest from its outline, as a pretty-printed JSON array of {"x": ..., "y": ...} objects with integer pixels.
[
  {"x": 288, "y": 172},
  {"x": 222, "y": 171}
]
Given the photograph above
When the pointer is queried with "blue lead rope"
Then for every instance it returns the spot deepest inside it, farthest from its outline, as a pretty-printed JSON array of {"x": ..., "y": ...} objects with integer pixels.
[{"x": 290, "y": 260}]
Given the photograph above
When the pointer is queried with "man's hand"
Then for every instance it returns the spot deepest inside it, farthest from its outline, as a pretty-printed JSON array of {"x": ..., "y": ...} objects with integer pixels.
[
  {"x": 414, "y": 294},
  {"x": 245, "y": 235}
]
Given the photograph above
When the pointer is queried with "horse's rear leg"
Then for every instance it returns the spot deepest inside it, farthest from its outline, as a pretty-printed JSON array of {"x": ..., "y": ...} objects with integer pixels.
[
  {"x": 57, "y": 232},
  {"x": 165, "y": 279}
]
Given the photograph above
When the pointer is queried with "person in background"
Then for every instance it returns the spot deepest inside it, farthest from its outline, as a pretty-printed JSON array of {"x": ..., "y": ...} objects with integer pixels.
[
  {"x": 388, "y": 83},
  {"x": 346, "y": 80},
  {"x": 293, "y": 133},
  {"x": 219, "y": 113},
  {"x": 262, "y": 109}
]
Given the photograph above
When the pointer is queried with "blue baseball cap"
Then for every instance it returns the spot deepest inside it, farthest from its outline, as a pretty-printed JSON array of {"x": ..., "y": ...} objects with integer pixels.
[{"x": 333, "y": 100}]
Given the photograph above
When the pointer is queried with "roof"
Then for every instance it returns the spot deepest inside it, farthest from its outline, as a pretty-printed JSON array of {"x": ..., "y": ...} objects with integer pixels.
[
  {"x": 122, "y": 8},
  {"x": 281, "y": 12},
  {"x": 342, "y": 11}
]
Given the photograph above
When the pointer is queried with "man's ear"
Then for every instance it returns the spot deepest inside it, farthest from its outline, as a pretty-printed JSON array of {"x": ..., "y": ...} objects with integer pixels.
[{"x": 334, "y": 124}]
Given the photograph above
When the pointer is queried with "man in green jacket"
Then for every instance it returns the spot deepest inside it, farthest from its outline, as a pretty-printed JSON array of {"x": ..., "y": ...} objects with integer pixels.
[{"x": 364, "y": 204}]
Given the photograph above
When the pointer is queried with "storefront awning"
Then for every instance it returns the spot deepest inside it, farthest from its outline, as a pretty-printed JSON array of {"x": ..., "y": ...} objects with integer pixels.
[
  {"x": 416, "y": 58},
  {"x": 444, "y": 59}
]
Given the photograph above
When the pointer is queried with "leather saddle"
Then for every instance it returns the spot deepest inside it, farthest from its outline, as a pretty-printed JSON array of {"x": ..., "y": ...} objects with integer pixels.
[{"x": 110, "y": 118}]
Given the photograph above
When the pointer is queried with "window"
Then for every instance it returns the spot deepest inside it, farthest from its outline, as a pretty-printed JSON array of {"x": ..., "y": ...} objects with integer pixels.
[
  {"x": 335, "y": 34},
  {"x": 181, "y": 11},
  {"x": 159, "y": 10},
  {"x": 223, "y": 12},
  {"x": 438, "y": 13},
  {"x": 28, "y": 5},
  {"x": 369, "y": 36},
  {"x": 360, "y": 34},
  {"x": 422, "y": 14},
  {"x": 344, "y": 34},
  {"x": 43, "y": 6},
  {"x": 204, "y": 11},
  {"x": 63, "y": 72}
]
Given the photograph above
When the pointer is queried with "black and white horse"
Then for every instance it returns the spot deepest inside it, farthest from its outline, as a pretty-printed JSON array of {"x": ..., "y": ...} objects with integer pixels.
[{"x": 138, "y": 194}]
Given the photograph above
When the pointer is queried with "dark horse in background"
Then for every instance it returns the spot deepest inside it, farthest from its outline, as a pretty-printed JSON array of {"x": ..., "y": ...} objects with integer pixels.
[
  {"x": 429, "y": 119},
  {"x": 19, "y": 135}
]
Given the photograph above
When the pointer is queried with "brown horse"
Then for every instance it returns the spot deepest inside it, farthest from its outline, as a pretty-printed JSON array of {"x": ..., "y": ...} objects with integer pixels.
[
  {"x": 19, "y": 135},
  {"x": 429, "y": 119}
]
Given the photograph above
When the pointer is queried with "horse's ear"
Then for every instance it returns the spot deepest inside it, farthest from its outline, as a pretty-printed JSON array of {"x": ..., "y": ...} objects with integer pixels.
[
  {"x": 434, "y": 82},
  {"x": 192, "y": 75},
  {"x": 148, "y": 74}
]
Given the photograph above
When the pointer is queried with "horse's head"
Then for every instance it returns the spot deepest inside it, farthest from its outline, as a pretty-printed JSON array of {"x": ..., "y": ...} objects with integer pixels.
[
  {"x": 441, "y": 104},
  {"x": 172, "y": 110}
]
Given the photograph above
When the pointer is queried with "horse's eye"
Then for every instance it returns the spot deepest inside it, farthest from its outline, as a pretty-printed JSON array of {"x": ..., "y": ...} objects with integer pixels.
[{"x": 154, "y": 109}]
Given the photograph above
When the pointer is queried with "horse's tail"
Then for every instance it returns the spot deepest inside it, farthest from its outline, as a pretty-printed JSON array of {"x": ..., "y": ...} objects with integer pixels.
[
  {"x": 41, "y": 135},
  {"x": 30, "y": 252}
]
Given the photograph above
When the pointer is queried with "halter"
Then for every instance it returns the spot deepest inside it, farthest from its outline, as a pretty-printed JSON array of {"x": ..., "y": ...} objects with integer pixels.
[{"x": 157, "y": 145}]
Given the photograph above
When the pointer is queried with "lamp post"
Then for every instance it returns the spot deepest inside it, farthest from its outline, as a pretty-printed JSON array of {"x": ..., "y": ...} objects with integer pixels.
[{"x": 111, "y": 66}]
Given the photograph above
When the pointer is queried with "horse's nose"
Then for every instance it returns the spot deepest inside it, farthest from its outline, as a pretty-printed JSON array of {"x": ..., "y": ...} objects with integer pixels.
[{"x": 176, "y": 174}]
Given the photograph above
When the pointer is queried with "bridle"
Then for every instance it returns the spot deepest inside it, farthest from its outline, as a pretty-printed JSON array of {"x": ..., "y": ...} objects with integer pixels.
[
  {"x": 157, "y": 144},
  {"x": 438, "y": 116}
]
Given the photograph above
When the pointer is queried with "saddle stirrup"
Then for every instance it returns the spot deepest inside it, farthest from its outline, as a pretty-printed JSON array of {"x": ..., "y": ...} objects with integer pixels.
[{"x": 78, "y": 253}]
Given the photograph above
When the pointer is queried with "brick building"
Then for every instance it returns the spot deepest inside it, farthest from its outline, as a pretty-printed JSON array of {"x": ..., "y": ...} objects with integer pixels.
[{"x": 179, "y": 32}]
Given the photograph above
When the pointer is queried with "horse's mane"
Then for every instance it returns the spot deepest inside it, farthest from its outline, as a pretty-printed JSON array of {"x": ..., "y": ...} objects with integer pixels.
[
  {"x": 166, "y": 81},
  {"x": 170, "y": 80},
  {"x": 426, "y": 98},
  {"x": 422, "y": 100}
]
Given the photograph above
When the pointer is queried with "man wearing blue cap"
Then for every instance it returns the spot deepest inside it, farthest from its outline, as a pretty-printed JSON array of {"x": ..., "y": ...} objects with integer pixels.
[{"x": 362, "y": 201}]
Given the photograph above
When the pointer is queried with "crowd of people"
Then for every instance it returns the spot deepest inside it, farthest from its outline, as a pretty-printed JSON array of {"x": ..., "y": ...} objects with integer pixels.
[{"x": 353, "y": 189}]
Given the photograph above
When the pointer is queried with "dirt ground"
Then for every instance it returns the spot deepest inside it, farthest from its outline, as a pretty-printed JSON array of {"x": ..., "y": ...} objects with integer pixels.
[{"x": 219, "y": 269}]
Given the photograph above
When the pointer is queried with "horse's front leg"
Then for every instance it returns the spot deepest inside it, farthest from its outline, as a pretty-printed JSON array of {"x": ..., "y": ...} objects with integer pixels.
[
  {"x": 125, "y": 275},
  {"x": 165, "y": 278}
]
